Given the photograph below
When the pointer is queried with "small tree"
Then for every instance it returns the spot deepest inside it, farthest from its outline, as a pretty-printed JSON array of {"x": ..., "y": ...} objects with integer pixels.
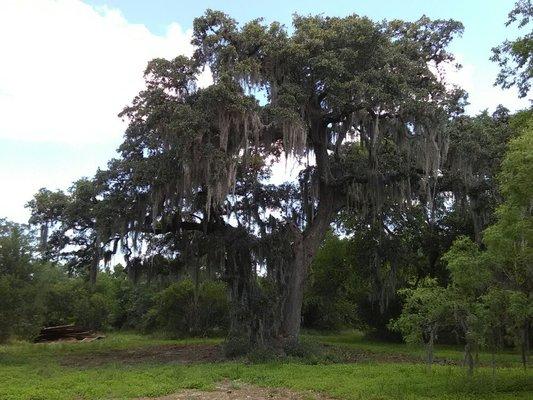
[
  {"x": 493, "y": 314},
  {"x": 521, "y": 314},
  {"x": 509, "y": 239},
  {"x": 430, "y": 307},
  {"x": 17, "y": 269},
  {"x": 426, "y": 310},
  {"x": 470, "y": 278}
]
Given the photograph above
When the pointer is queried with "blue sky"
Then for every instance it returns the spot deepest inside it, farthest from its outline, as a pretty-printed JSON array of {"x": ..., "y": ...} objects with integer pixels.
[
  {"x": 73, "y": 65},
  {"x": 483, "y": 19}
]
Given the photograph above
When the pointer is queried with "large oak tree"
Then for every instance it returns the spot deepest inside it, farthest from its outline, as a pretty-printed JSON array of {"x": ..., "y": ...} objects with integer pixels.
[{"x": 361, "y": 106}]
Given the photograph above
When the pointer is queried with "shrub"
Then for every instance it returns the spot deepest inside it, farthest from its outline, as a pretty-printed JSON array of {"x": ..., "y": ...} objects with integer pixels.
[
  {"x": 133, "y": 307},
  {"x": 213, "y": 307},
  {"x": 75, "y": 301},
  {"x": 93, "y": 312},
  {"x": 9, "y": 299},
  {"x": 236, "y": 346},
  {"x": 184, "y": 309}
]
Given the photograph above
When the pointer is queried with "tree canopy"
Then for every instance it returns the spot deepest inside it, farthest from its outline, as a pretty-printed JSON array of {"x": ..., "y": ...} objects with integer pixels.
[
  {"x": 515, "y": 57},
  {"x": 361, "y": 105}
]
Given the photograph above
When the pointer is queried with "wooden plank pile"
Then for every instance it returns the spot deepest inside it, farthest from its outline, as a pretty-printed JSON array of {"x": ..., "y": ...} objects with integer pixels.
[{"x": 66, "y": 333}]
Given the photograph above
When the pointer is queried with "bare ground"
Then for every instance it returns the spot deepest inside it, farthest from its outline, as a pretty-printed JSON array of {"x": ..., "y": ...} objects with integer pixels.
[
  {"x": 182, "y": 354},
  {"x": 208, "y": 353},
  {"x": 236, "y": 391}
]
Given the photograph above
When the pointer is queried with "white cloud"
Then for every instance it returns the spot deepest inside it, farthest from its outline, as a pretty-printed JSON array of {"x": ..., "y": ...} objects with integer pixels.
[
  {"x": 478, "y": 82},
  {"x": 68, "y": 68},
  {"x": 23, "y": 184}
]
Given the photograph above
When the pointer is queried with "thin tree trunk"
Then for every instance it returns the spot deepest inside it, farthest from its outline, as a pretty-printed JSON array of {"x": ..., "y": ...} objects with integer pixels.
[
  {"x": 430, "y": 347},
  {"x": 525, "y": 344},
  {"x": 131, "y": 269},
  {"x": 493, "y": 362},
  {"x": 93, "y": 268},
  {"x": 469, "y": 359},
  {"x": 196, "y": 299},
  {"x": 93, "y": 272},
  {"x": 476, "y": 220}
]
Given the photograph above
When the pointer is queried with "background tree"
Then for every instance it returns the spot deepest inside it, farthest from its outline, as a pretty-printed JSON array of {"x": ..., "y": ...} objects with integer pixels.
[
  {"x": 470, "y": 279},
  {"x": 493, "y": 311},
  {"x": 15, "y": 274},
  {"x": 509, "y": 239},
  {"x": 489, "y": 293},
  {"x": 477, "y": 147},
  {"x": 515, "y": 57},
  {"x": 69, "y": 226}
]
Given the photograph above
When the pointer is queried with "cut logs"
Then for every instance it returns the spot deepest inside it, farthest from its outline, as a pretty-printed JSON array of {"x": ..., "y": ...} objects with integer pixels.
[{"x": 67, "y": 333}]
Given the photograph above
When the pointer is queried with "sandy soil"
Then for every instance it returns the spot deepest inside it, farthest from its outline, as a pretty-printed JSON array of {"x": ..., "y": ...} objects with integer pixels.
[{"x": 236, "y": 391}]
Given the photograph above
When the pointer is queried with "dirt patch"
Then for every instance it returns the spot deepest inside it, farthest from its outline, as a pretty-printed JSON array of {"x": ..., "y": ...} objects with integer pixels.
[
  {"x": 182, "y": 354},
  {"x": 237, "y": 391},
  {"x": 341, "y": 354},
  {"x": 399, "y": 358},
  {"x": 207, "y": 353}
]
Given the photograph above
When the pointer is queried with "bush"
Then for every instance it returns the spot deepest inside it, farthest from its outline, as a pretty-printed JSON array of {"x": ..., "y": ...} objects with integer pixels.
[
  {"x": 213, "y": 307},
  {"x": 9, "y": 299},
  {"x": 94, "y": 312},
  {"x": 59, "y": 303},
  {"x": 134, "y": 305},
  {"x": 72, "y": 300},
  {"x": 183, "y": 309},
  {"x": 329, "y": 302},
  {"x": 236, "y": 346},
  {"x": 34, "y": 293}
]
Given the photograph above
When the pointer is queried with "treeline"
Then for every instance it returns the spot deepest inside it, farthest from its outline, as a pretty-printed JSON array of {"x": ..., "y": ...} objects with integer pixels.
[
  {"x": 488, "y": 298},
  {"x": 466, "y": 278},
  {"x": 462, "y": 274},
  {"x": 35, "y": 294},
  {"x": 485, "y": 177},
  {"x": 406, "y": 194}
]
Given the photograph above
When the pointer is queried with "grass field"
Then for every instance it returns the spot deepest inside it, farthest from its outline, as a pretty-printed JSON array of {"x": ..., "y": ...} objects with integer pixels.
[{"x": 130, "y": 366}]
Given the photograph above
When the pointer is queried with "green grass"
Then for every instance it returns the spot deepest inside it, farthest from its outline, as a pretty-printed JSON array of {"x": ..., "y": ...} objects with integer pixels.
[
  {"x": 33, "y": 372},
  {"x": 113, "y": 341}
]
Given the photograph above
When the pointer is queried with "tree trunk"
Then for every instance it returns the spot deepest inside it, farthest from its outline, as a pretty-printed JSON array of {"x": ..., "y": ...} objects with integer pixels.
[
  {"x": 273, "y": 319},
  {"x": 93, "y": 268},
  {"x": 469, "y": 359},
  {"x": 260, "y": 317},
  {"x": 306, "y": 243},
  {"x": 493, "y": 362},
  {"x": 305, "y": 246},
  {"x": 430, "y": 346},
  {"x": 292, "y": 306},
  {"x": 525, "y": 344}
]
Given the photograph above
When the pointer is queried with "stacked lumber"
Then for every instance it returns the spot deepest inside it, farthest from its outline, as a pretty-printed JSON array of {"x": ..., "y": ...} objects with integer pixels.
[{"x": 66, "y": 333}]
